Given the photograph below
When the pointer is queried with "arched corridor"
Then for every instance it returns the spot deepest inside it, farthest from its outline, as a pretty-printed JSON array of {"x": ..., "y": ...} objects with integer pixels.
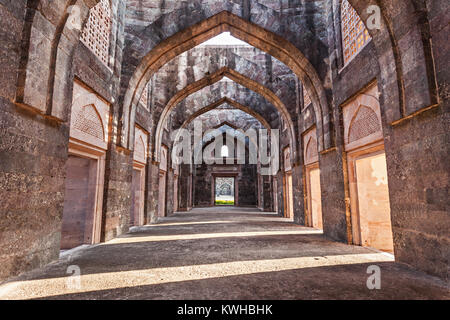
[{"x": 211, "y": 144}]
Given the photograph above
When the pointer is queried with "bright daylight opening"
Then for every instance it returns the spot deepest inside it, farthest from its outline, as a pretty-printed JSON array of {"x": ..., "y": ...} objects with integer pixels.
[
  {"x": 224, "y": 191},
  {"x": 226, "y": 79},
  {"x": 225, "y": 39},
  {"x": 224, "y": 151}
]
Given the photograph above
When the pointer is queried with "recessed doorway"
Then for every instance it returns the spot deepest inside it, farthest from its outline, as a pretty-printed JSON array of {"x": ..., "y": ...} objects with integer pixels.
[
  {"x": 82, "y": 209},
  {"x": 314, "y": 196},
  {"x": 369, "y": 192},
  {"x": 137, "y": 195},
  {"x": 224, "y": 191}
]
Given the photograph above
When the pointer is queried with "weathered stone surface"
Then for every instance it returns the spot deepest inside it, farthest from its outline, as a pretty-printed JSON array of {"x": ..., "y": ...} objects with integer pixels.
[{"x": 297, "y": 47}]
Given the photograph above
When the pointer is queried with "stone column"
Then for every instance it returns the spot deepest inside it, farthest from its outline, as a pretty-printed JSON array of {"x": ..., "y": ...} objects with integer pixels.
[
  {"x": 170, "y": 195},
  {"x": 259, "y": 188},
  {"x": 152, "y": 192},
  {"x": 333, "y": 195},
  {"x": 298, "y": 192},
  {"x": 280, "y": 193},
  {"x": 267, "y": 193},
  {"x": 185, "y": 188},
  {"x": 117, "y": 193}
]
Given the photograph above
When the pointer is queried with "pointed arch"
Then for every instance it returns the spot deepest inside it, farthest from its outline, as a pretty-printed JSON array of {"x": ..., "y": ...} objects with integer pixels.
[
  {"x": 216, "y": 77},
  {"x": 89, "y": 112},
  {"x": 364, "y": 123},
  {"x": 238, "y": 138},
  {"x": 311, "y": 150},
  {"x": 89, "y": 121},
  {"x": 246, "y": 31},
  {"x": 225, "y": 123},
  {"x": 232, "y": 103}
]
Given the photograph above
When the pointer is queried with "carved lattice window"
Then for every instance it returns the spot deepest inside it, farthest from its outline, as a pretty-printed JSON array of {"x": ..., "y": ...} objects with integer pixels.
[
  {"x": 97, "y": 31},
  {"x": 364, "y": 124},
  {"x": 354, "y": 33},
  {"x": 89, "y": 122}
]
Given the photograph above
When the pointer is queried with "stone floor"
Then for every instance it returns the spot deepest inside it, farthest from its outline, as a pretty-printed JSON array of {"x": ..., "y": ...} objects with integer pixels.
[{"x": 223, "y": 253}]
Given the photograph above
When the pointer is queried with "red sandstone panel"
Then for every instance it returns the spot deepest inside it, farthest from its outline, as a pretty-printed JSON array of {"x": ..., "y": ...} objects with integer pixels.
[{"x": 78, "y": 203}]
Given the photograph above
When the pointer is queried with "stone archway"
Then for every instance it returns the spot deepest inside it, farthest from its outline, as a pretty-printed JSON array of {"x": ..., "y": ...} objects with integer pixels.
[
  {"x": 236, "y": 77},
  {"x": 251, "y": 33},
  {"x": 232, "y": 103}
]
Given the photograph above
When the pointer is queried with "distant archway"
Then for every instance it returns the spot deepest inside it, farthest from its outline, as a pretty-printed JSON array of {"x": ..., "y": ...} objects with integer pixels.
[
  {"x": 236, "y": 77},
  {"x": 231, "y": 102},
  {"x": 251, "y": 33}
]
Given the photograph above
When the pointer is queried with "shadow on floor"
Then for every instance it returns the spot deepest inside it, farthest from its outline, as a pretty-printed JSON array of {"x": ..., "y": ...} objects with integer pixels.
[{"x": 336, "y": 282}]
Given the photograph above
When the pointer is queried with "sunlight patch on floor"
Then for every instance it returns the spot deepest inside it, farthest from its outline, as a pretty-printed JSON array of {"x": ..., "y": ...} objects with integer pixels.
[
  {"x": 170, "y": 224},
  {"x": 173, "y": 237},
  {"x": 114, "y": 280}
]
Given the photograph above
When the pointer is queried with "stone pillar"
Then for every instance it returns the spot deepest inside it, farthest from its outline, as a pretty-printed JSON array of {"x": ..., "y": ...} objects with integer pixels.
[
  {"x": 170, "y": 195},
  {"x": 185, "y": 188},
  {"x": 259, "y": 188},
  {"x": 117, "y": 194},
  {"x": 202, "y": 186},
  {"x": 267, "y": 193},
  {"x": 191, "y": 192},
  {"x": 298, "y": 192},
  {"x": 32, "y": 189},
  {"x": 333, "y": 195},
  {"x": 152, "y": 192},
  {"x": 280, "y": 193}
]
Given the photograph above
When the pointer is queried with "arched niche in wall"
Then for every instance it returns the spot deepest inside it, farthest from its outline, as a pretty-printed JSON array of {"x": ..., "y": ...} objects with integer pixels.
[
  {"x": 288, "y": 185},
  {"x": 140, "y": 154},
  {"x": 362, "y": 119},
  {"x": 370, "y": 217},
  {"x": 90, "y": 117},
  {"x": 313, "y": 193},
  {"x": 88, "y": 143}
]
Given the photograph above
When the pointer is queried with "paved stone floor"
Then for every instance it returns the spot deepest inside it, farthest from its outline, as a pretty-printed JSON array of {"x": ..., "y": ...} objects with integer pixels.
[{"x": 223, "y": 253}]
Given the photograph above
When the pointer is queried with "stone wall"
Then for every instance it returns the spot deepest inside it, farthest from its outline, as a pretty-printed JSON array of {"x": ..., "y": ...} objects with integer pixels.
[
  {"x": 33, "y": 153},
  {"x": 246, "y": 186},
  {"x": 40, "y": 56},
  {"x": 35, "y": 125}
]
